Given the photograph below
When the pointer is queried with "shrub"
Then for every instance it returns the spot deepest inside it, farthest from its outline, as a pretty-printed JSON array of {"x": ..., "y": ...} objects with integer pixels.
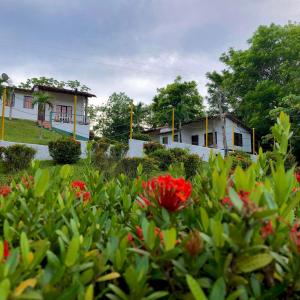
[
  {"x": 179, "y": 154},
  {"x": 17, "y": 157},
  {"x": 152, "y": 146},
  {"x": 141, "y": 136},
  {"x": 164, "y": 157},
  {"x": 118, "y": 151},
  {"x": 192, "y": 162},
  {"x": 289, "y": 162},
  {"x": 65, "y": 150},
  {"x": 128, "y": 166},
  {"x": 241, "y": 159},
  {"x": 101, "y": 145}
]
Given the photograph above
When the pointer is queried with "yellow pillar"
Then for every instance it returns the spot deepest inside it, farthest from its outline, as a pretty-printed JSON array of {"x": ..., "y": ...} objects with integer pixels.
[
  {"x": 3, "y": 113},
  {"x": 75, "y": 112},
  {"x": 253, "y": 140},
  {"x": 232, "y": 137},
  {"x": 206, "y": 131},
  {"x": 173, "y": 124},
  {"x": 131, "y": 119}
]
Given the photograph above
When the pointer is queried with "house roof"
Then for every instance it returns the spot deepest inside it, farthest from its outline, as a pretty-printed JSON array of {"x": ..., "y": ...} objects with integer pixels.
[
  {"x": 54, "y": 90},
  {"x": 63, "y": 91},
  {"x": 228, "y": 116}
]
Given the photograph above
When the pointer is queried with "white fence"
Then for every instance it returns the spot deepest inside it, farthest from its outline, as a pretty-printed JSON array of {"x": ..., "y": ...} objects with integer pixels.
[
  {"x": 42, "y": 152},
  {"x": 136, "y": 149}
]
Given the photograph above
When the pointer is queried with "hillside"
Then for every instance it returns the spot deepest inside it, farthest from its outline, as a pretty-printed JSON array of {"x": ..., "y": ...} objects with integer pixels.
[{"x": 25, "y": 131}]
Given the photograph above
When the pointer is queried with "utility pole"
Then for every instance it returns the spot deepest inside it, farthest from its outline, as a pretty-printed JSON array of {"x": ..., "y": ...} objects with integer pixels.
[{"x": 223, "y": 121}]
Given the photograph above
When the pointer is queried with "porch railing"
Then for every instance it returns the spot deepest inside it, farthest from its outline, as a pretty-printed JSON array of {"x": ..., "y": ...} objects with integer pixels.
[{"x": 69, "y": 118}]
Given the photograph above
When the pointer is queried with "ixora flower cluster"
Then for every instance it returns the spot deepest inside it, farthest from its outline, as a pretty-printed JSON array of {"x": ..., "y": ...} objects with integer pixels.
[
  {"x": 81, "y": 190},
  {"x": 167, "y": 192}
]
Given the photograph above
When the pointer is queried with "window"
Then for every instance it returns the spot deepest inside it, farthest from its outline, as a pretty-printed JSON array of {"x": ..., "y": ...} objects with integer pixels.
[
  {"x": 165, "y": 140},
  {"x": 210, "y": 139},
  {"x": 27, "y": 102},
  {"x": 238, "y": 139},
  {"x": 176, "y": 138},
  {"x": 195, "y": 139},
  {"x": 63, "y": 113}
]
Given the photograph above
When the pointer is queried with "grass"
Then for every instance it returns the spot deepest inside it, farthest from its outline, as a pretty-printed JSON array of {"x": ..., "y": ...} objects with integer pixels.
[
  {"x": 25, "y": 131},
  {"x": 6, "y": 177}
]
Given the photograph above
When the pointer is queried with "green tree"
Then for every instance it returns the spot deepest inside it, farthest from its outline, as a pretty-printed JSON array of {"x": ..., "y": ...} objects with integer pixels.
[
  {"x": 256, "y": 79},
  {"x": 112, "y": 120},
  {"x": 43, "y": 100},
  {"x": 183, "y": 96}
]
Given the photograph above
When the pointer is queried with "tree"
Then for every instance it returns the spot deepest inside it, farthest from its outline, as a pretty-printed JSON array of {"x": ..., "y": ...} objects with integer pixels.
[
  {"x": 113, "y": 119},
  {"x": 183, "y": 96},
  {"x": 256, "y": 79},
  {"x": 42, "y": 99},
  {"x": 72, "y": 84}
]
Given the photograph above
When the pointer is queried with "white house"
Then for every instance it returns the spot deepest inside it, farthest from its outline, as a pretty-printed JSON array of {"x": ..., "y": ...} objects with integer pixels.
[
  {"x": 193, "y": 137},
  {"x": 61, "y": 118},
  {"x": 238, "y": 135}
]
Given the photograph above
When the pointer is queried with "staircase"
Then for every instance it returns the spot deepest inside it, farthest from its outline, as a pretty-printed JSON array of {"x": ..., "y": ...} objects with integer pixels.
[{"x": 45, "y": 124}]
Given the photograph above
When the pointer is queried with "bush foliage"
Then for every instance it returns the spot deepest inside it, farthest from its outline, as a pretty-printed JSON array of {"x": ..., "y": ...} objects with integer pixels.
[
  {"x": 226, "y": 234},
  {"x": 17, "y": 157},
  {"x": 152, "y": 146},
  {"x": 65, "y": 150}
]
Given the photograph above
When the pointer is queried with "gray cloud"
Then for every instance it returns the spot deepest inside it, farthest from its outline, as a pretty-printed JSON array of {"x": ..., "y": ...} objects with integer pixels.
[{"x": 133, "y": 46}]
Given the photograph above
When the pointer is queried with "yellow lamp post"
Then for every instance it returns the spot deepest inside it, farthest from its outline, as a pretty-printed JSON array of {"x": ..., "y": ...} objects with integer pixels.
[
  {"x": 75, "y": 113},
  {"x": 3, "y": 113},
  {"x": 206, "y": 131},
  {"x": 131, "y": 120}
]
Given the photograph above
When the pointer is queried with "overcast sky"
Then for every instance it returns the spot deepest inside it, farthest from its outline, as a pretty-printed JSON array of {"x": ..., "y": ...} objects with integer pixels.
[{"x": 131, "y": 46}]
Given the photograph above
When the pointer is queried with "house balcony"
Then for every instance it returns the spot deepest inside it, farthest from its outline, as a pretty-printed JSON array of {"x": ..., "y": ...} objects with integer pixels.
[{"x": 65, "y": 123}]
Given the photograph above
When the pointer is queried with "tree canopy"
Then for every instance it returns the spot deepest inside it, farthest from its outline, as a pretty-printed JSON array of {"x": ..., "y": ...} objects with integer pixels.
[
  {"x": 72, "y": 84},
  {"x": 255, "y": 80},
  {"x": 181, "y": 95}
]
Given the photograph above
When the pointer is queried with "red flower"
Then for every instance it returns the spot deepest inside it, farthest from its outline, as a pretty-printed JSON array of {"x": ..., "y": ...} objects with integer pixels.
[
  {"x": 227, "y": 201},
  {"x": 244, "y": 196},
  {"x": 295, "y": 235},
  {"x": 266, "y": 230},
  {"x": 86, "y": 196},
  {"x": 5, "y": 190},
  {"x": 130, "y": 237},
  {"x": 79, "y": 185},
  {"x": 27, "y": 181},
  {"x": 297, "y": 175},
  {"x": 170, "y": 193},
  {"x": 5, "y": 249}
]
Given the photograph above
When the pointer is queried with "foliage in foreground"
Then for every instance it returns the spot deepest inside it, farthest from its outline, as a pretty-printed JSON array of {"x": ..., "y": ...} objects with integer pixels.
[{"x": 222, "y": 236}]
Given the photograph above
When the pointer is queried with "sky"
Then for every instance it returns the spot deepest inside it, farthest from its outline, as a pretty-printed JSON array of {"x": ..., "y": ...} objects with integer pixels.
[{"x": 131, "y": 46}]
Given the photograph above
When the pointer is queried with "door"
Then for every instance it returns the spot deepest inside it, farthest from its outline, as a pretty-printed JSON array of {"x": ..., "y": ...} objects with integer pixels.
[{"x": 41, "y": 112}]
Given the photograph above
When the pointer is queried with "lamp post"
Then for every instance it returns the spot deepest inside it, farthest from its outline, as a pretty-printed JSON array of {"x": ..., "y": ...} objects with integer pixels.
[
  {"x": 4, "y": 79},
  {"x": 75, "y": 112}
]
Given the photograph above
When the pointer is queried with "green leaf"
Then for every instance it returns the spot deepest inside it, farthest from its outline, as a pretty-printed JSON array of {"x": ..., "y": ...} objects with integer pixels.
[
  {"x": 236, "y": 201},
  {"x": 25, "y": 248},
  {"x": 157, "y": 295},
  {"x": 89, "y": 293},
  {"x": 246, "y": 264},
  {"x": 4, "y": 289},
  {"x": 169, "y": 237},
  {"x": 41, "y": 182},
  {"x": 218, "y": 290},
  {"x": 195, "y": 288},
  {"x": 110, "y": 276},
  {"x": 118, "y": 291},
  {"x": 65, "y": 171},
  {"x": 73, "y": 252},
  {"x": 204, "y": 219}
]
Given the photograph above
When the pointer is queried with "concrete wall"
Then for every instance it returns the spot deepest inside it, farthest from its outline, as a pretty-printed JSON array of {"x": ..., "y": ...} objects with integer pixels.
[
  {"x": 136, "y": 149},
  {"x": 42, "y": 150}
]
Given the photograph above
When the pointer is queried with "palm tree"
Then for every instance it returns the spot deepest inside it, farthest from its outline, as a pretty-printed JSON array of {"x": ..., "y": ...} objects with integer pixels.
[{"x": 42, "y": 99}]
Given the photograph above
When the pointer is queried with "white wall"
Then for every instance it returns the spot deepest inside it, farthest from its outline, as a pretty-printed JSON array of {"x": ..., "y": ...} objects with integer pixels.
[
  {"x": 136, "y": 149},
  {"x": 42, "y": 150},
  {"x": 18, "y": 111}
]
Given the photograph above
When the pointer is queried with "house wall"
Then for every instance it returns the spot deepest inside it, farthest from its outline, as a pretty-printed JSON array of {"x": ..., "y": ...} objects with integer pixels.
[
  {"x": 213, "y": 125},
  {"x": 18, "y": 111}
]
